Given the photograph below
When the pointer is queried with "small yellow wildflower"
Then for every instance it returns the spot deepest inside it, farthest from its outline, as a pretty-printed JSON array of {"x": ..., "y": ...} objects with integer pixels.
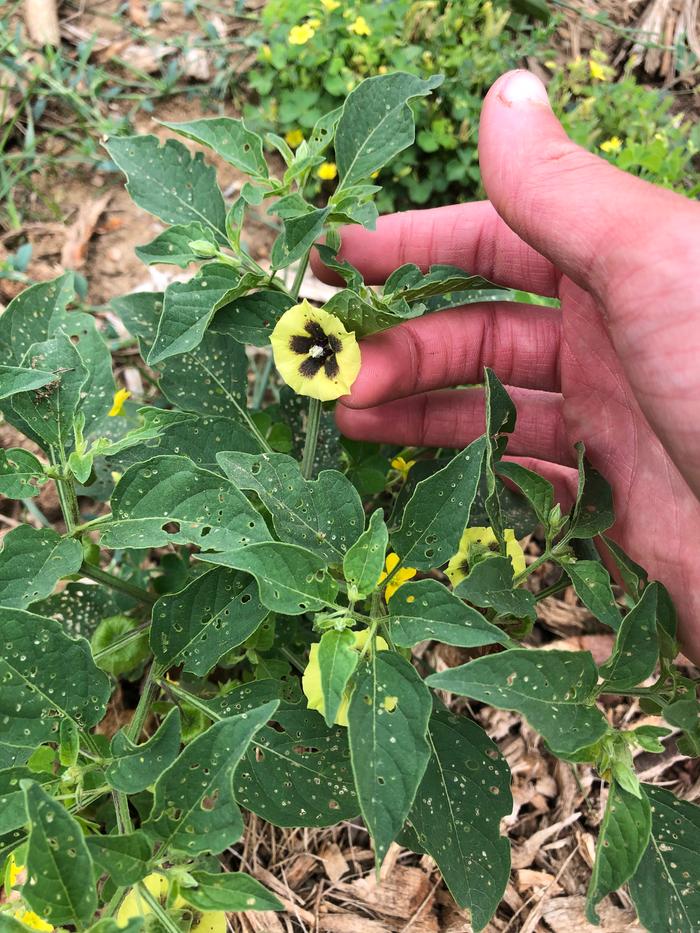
[
  {"x": 382, "y": 70},
  {"x": 360, "y": 27},
  {"x": 402, "y": 576},
  {"x": 314, "y": 353},
  {"x": 614, "y": 144},
  {"x": 330, "y": 5},
  {"x": 327, "y": 171},
  {"x": 598, "y": 71},
  {"x": 478, "y": 543},
  {"x": 403, "y": 466},
  {"x": 15, "y": 871},
  {"x": 314, "y": 22},
  {"x": 311, "y": 680},
  {"x": 300, "y": 35},
  {"x": 120, "y": 396},
  {"x": 33, "y": 921},
  {"x": 294, "y": 138},
  {"x": 265, "y": 52}
]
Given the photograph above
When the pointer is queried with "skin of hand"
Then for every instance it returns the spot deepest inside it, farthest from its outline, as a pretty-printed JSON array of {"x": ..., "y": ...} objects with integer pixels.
[{"x": 618, "y": 366}]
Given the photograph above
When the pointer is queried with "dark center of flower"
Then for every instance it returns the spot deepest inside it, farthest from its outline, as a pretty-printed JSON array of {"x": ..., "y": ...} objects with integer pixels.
[{"x": 319, "y": 350}]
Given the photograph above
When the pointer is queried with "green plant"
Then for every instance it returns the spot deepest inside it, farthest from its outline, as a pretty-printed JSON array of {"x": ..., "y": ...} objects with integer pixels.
[
  {"x": 246, "y": 566},
  {"x": 312, "y": 54}
]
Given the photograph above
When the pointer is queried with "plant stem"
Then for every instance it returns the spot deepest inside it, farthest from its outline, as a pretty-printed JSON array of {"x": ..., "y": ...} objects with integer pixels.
[
  {"x": 191, "y": 699},
  {"x": 118, "y": 643},
  {"x": 116, "y": 583},
  {"x": 299, "y": 274},
  {"x": 121, "y": 809},
  {"x": 149, "y": 690},
  {"x": 158, "y": 912},
  {"x": 261, "y": 383},
  {"x": 562, "y": 584},
  {"x": 313, "y": 424}
]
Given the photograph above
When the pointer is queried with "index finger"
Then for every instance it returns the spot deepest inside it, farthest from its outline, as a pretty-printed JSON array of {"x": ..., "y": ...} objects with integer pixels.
[{"x": 471, "y": 236}]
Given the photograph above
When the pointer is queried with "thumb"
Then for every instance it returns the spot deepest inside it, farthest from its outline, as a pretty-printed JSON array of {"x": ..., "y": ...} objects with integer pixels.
[{"x": 575, "y": 208}]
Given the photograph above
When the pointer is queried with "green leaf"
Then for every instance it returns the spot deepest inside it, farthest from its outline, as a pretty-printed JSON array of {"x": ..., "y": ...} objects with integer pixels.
[
  {"x": 622, "y": 840},
  {"x": 377, "y": 123},
  {"x": 591, "y": 582},
  {"x": 140, "y": 313},
  {"x": 247, "y": 696},
  {"x": 21, "y": 473},
  {"x": 169, "y": 499},
  {"x": 500, "y": 420},
  {"x": 538, "y": 491},
  {"x": 169, "y": 182},
  {"x": 490, "y": 584},
  {"x": 202, "y": 439},
  {"x": 50, "y": 411},
  {"x": 427, "y": 610},
  {"x": 68, "y": 743},
  {"x": 188, "y": 308},
  {"x": 98, "y": 390},
  {"x": 412, "y": 285},
  {"x": 228, "y": 138},
  {"x": 554, "y": 690},
  {"x": 32, "y": 561},
  {"x": 252, "y": 318},
  {"x": 309, "y": 762},
  {"x": 685, "y": 713},
  {"x": 14, "y": 379},
  {"x": 153, "y": 423},
  {"x": 364, "y": 561},
  {"x": 298, "y": 236},
  {"x": 111, "y": 925},
  {"x": 212, "y": 379},
  {"x": 13, "y": 813},
  {"x": 291, "y": 580},
  {"x": 636, "y": 650},
  {"x": 438, "y": 511},
  {"x": 337, "y": 660},
  {"x": 464, "y": 794},
  {"x": 388, "y": 720},
  {"x": 125, "y": 858},
  {"x": 79, "y": 607},
  {"x": 214, "y": 613},
  {"x": 193, "y": 808},
  {"x": 666, "y": 886},
  {"x": 324, "y": 515},
  {"x": 32, "y": 315},
  {"x": 60, "y": 886},
  {"x": 231, "y": 891},
  {"x": 172, "y": 246},
  {"x": 592, "y": 512},
  {"x": 136, "y": 767},
  {"x": 44, "y": 674},
  {"x": 634, "y": 578}
]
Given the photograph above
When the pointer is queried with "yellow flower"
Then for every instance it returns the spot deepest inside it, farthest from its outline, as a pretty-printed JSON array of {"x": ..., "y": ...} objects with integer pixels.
[
  {"x": 382, "y": 70},
  {"x": 481, "y": 542},
  {"x": 314, "y": 22},
  {"x": 314, "y": 353},
  {"x": 32, "y": 920},
  {"x": 265, "y": 52},
  {"x": 294, "y": 138},
  {"x": 120, "y": 396},
  {"x": 311, "y": 679},
  {"x": 300, "y": 35},
  {"x": 598, "y": 72},
  {"x": 327, "y": 171},
  {"x": 360, "y": 27},
  {"x": 402, "y": 466},
  {"x": 330, "y": 5},
  {"x": 15, "y": 871},
  {"x": 614, "y": 144},
  {"x": 401, "y": 577}
]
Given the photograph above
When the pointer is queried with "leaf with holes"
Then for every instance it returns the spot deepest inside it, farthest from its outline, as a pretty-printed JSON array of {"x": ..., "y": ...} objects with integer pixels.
[
  {"x": 364, "y": 561},
  {"x": 14, "y": 379},
  {"x": 427, "y": 610},
  {"x": 172, "y": 246},
  {"x": 203, "y": 438},
  {"x": 59, "y": 886},
  {"x": 592, "y": 512},
  {"x": 666, "y": 886},
  {"x": 554, "y": 690},
  {"x": 169, "y": 182},
  {"x": 45, "y": 674},
  {"x": 13, "y": 812},
  {"x": 98, "y": 390},
  {"x": 194, "y": 810},
  {"x": 291, "y": 579},
  {"x": 231, "y": 891},
  {"x": 125, "y": 857},
  {"x": 376, "y": 124},
  {"x": 79, "y": 607},
  {"x": 464, "y": 794},
  {"x": 622, "y": 840},
  {"x": 252, "y": 318},
  {"x": 140, "y": 313},
  {"x": 299, "y": 776},
  {"x": 50, "y": 411},
  {"x": 170, "y": 500},
  {"x": 387, "y": 725},
  {"x": 298, "y": 236},
  {"x": 324, "y": 515},
  {"x": 214, "y": 613},
  {"x": 136, "y": 767},
  {"x": 21, "y": 474},
  {"x": 591, "y": 581},
  {"x": 32, "y": 315},
  {"x": 636, "y": 650},
  {"x": 438, "y": 511},
  {"x": 490, "y": 585},
  {"x": 32, "y": 561},
  {"x": 228, "y": 138}
]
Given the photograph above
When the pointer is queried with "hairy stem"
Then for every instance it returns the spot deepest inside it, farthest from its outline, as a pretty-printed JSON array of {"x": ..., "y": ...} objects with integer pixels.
[
  {"x": 313, "y": 425},
  {"x": 116, "y": 583},
  {"x": 149, "y": 691}
]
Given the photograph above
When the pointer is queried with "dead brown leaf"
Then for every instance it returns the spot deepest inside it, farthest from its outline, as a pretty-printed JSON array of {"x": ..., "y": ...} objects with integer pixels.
[
  {"x": 79, "y": 234},
  {"x": 566, "y": 915}
]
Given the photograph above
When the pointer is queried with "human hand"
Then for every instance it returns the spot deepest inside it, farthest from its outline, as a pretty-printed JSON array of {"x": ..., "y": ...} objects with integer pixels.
[{"x": 617, "y": 367}]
